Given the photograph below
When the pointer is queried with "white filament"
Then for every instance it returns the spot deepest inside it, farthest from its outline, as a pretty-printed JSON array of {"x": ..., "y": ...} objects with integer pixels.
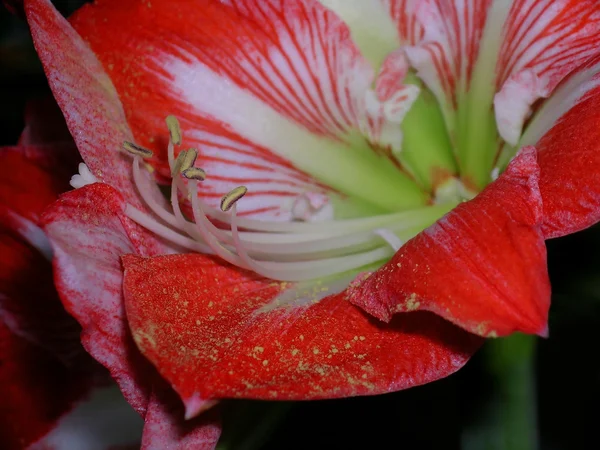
[{"x": 294, "y": 251}]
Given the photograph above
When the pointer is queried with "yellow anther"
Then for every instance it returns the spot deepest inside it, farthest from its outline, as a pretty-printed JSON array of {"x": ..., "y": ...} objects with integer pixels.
[
  {"x": 232, "y": 197},
  {"x": 189, "y": 158},
  {"x": 194, "y": 173},
  {"x": 136, "y": 150},
  {"x": 185, "y": 160},
  {"x": 174, "y": 129}
]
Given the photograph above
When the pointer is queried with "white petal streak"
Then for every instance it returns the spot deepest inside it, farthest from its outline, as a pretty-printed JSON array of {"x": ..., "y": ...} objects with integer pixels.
[
  {"x": 448, "y": 36},
  {"x": 543, "y": 41},
  {"x": 311, "y": 60},
  {"x": 571, "y": 92},
  {"x": 237, "y": 152},
  {"x": 372, "y": 25},
  {"x": 549, "y": 37}
]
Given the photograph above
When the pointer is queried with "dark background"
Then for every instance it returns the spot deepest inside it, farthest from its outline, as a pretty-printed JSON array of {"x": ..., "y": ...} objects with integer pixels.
[{"x": 432, "y": 416}]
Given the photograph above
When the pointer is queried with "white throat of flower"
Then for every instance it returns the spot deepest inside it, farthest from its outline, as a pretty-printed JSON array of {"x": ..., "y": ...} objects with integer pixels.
[{"x": 288, "y": 251}]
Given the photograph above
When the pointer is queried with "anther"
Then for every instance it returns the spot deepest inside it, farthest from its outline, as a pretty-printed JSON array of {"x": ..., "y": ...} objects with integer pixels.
[
  {"x": 185, "y": 160},
  {"x": 232, "y": 197},
  {"x": 136, "y": 150},
  {"x": 189, "y": 158},
  {"x": 174, "y": 129},
  {"x": 194, "y": 173}
]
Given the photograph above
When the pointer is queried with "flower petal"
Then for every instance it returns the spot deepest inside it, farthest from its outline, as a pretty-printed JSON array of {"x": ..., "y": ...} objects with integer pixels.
[
  {"x": 372, "y": 26},
  {"x": 31, "y": 309},
  {"x": 543, "y": 41},
  {"x": 89, "y": 232},
  {"x": 282, "y": 97},
  {"x": 482, "y": 266},
  {"x": 165, "y": 429},
  {"x": 215, "y": 332},
  {"x": 86, "y": 95},
  {"x": 569, "y": 155}
]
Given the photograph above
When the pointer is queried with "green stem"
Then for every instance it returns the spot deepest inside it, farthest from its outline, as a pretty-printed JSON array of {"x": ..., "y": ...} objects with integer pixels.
[{"x": 509, "y": 420}]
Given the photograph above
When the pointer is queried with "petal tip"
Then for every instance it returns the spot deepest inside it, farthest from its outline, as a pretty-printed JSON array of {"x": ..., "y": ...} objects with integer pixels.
[{"x": 195, "y": 405}]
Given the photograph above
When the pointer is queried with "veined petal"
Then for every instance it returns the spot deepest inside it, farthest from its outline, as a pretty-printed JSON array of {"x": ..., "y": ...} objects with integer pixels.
[
  {"x": 482, "y": 266},
  {"x": 215, "y": 332},
  {"x": 449, "y": 35},
  {"x": 543, "y": 41},
  {"x": 372, "y": 26},
  {"x": 568, "y": 155},
  {"x": 286, "y": 94},
  {"x": 87, "y": 97}
]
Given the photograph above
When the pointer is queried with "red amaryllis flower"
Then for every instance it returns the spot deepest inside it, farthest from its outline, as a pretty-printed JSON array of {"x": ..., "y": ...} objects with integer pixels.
[
  {"x": 53, "y": 394},
  {"x": 341, "y": 130}
]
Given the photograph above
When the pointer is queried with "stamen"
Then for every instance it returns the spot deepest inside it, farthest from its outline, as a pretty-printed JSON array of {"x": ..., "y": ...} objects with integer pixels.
[
  {"x": 232, "y": 197},
  {"x": 137, "y": 150},
  {"x": 189, "y": 159},
  {"x": 293, "y": 251},
  {"x": 185, "y": 160},
  {"x": 174, "y": 129},
  {"x": 194, "y": 173}
]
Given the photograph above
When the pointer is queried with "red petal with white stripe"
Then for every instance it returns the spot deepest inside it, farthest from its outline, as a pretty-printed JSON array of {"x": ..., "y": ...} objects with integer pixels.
[
  {"x": 216, "y": 332},
  {"x": 89, "y": 232},
  {"x": 87, "y": 97},
  {"x": 262, "y": 90},
  {"x": 542, "y": 42},
  {"x": 482, "y": 266},
  {"x": 443, "y": 40}
]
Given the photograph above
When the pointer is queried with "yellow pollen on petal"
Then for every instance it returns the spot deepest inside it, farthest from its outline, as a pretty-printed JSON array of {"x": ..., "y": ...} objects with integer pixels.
[
  {"x": 174, "y": 129},
  {"x": 136, "y": 150},
  {"x": 232, "y": 197}
]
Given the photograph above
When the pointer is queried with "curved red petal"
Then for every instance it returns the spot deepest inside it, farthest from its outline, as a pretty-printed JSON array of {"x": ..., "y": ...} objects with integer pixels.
[
  {"x": 482, "y": 266},
  {"x": 215, "y": 332},
  {"x": 86, "y": 95},
  {"x": 569, "y": 155}
]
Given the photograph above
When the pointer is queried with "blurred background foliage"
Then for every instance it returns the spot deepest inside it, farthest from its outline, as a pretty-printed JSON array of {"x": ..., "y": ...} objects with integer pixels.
[{"x": 449, "y": 414}]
